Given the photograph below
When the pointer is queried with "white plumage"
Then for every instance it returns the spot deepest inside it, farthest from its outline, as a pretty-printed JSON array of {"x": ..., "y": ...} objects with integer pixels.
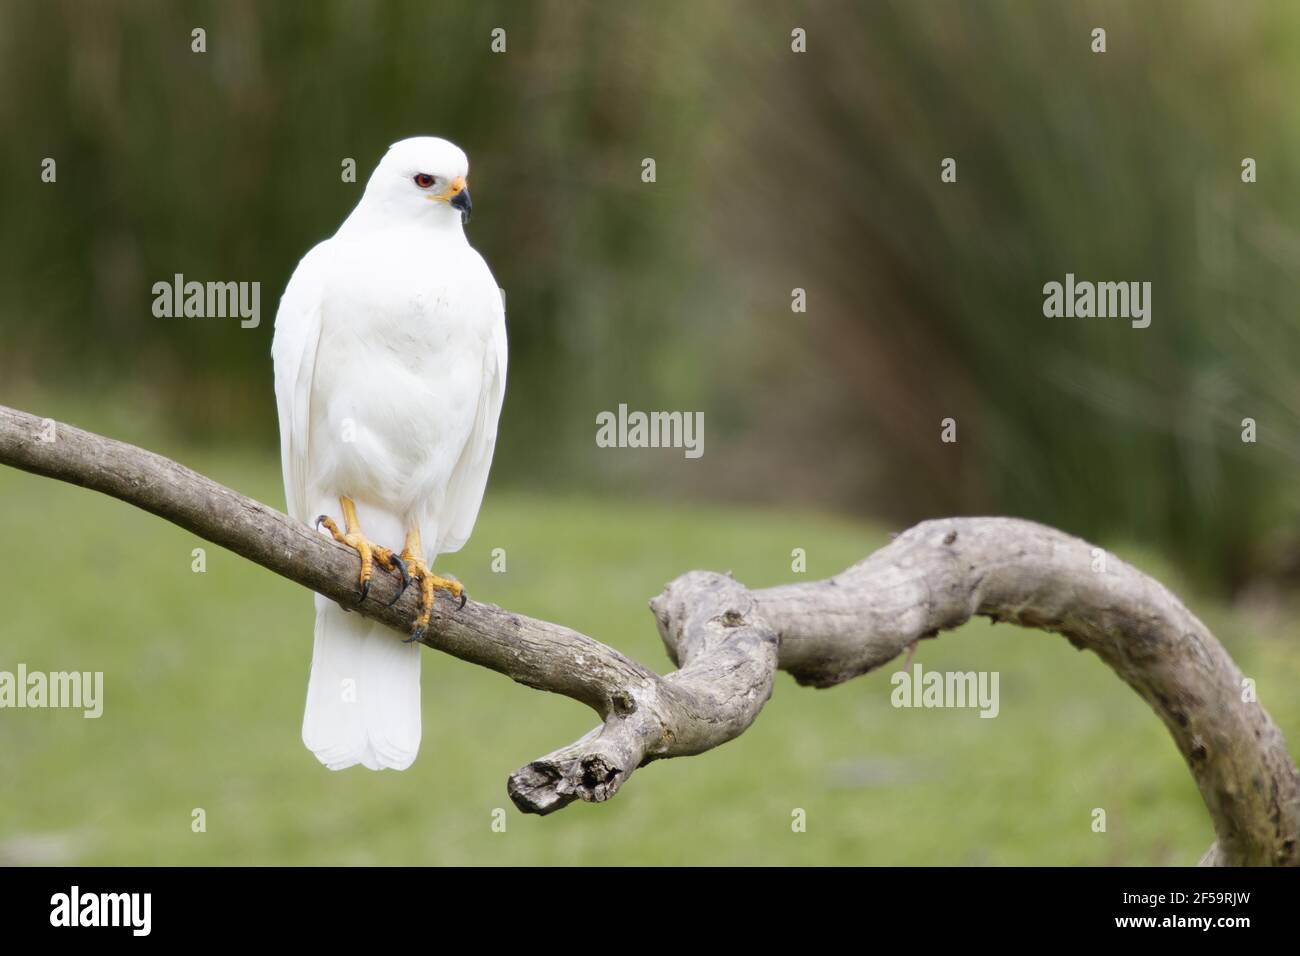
[{"x": 390, "y": 365}]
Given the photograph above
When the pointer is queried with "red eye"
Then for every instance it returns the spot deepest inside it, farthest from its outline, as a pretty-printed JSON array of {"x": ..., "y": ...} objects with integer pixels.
[{"x": 423, "y": 180}]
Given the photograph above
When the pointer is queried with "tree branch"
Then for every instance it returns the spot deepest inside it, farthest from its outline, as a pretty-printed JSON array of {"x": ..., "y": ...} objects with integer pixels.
[{"x": 728, "y": 641}]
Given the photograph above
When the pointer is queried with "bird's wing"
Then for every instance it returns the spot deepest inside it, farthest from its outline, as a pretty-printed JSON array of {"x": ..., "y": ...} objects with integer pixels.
[
  {"x": 293, "y": 351},
  {"x": 469, "y": 477}
]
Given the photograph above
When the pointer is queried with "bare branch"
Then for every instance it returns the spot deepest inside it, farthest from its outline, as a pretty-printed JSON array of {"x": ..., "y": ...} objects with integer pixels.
[{"x": 728, "y": 641}]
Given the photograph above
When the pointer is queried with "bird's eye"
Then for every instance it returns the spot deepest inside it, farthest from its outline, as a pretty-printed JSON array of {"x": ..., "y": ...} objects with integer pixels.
[{"x": 423, "y": 180}]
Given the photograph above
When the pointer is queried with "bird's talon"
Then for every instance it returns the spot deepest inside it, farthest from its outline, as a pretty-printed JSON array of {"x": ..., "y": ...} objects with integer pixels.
[
  {"x": 415, "y": 636},
  {"x": 463, "y": 598},
  {"x": 401, "y": 566},
  {"x": 415, "y": 570},
  {"x": 367, "y": 551},
  {"x": 406, "y": 580}
]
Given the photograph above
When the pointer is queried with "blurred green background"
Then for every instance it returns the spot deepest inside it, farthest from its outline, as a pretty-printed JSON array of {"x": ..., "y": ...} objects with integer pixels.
[{"x": 775, "y": 171}]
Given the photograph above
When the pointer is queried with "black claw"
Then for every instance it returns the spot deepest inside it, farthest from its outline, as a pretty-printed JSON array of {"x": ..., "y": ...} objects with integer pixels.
[
  {"x": 463, "y": 598},
  {"x": 406, "y": 580},
  {"x": 415, "y": 636},
  {"x": 365, "y": 589},
  {"x": 319, "y": 520}
]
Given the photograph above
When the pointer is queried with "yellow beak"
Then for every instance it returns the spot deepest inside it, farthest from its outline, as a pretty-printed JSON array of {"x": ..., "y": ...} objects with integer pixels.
[{"x": 457, "y": 186}]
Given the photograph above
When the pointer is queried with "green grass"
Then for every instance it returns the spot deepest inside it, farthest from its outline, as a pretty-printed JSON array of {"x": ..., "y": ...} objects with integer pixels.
[{"x": 205, "y": 676}]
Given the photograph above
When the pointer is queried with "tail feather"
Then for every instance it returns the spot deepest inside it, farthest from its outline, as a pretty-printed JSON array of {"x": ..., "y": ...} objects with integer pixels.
[{"x": 363, "y": 697}]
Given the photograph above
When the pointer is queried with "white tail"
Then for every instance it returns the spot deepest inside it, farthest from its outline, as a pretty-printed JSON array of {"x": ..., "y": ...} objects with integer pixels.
[{"x": 363, "y": 698}]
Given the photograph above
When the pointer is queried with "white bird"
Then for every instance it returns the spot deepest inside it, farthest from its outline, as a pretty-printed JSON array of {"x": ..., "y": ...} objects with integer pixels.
[{"x": 390, "y": 369}]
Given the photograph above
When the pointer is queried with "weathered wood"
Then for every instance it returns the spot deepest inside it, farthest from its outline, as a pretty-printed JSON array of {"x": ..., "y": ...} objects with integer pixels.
[{"x": 728, "y": 641}]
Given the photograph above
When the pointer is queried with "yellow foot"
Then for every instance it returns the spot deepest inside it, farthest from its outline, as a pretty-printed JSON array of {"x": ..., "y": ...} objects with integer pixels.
[
  {"x": 416, "y": 570},
  {"x": 371, "y": 553}
]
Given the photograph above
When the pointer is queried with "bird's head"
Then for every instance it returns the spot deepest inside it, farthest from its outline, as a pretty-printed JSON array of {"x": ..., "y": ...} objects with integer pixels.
[{"x": 422, "y": 177}]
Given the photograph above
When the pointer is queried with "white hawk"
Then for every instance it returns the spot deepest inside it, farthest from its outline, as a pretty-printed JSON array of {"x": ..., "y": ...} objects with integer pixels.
[{"x": 390, "y": 369}]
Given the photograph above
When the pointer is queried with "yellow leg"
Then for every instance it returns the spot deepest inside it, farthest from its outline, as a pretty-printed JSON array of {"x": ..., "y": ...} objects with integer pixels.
[
  {"x": 412, "y": 559},
  {"x": 369, "y": 552}
]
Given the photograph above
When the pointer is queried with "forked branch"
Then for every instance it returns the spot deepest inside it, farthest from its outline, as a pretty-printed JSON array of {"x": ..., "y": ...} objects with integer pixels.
[{"x": 728, "y": 641}]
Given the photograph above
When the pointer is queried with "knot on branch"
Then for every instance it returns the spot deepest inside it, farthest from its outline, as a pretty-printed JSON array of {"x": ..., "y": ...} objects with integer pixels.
[{"x": 699, "y": 611}]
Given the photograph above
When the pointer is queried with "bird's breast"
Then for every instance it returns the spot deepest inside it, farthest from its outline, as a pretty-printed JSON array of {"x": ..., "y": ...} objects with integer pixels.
[{"x": 398, "y": 379}]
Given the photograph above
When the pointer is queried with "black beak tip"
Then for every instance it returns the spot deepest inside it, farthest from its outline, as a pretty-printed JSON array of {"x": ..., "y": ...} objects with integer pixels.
[{"x": 462, "y": 202}]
